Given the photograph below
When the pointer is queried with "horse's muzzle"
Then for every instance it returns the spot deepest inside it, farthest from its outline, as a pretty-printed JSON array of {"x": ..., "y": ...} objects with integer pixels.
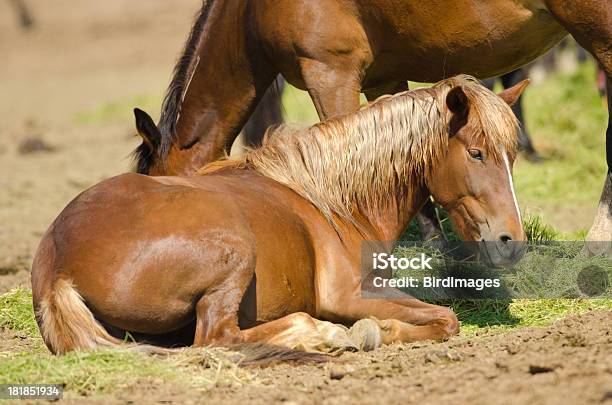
[{"x": 503, "y": 252}]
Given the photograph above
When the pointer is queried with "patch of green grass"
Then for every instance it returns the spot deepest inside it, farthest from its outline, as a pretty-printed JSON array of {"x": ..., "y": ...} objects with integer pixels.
[
  {"x": 567, "y": 120},
  {"x": 105, "y": 371},
  {"x": 498, "y": 315},
  {"x": 536, "y": 230},
  {"x": 298, "y": 107},
  {"x": 84, "y": 373},
  {"x": 16, "y": 312}
]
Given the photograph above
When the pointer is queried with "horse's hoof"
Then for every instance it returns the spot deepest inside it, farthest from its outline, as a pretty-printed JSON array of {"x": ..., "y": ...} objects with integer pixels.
[
  {"x": 366, "y": 334},
  {"x": 336, "y": 338}
]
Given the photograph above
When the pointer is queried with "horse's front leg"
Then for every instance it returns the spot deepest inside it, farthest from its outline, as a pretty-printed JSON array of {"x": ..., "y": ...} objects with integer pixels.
[
  {"x": 418, "y": 320},
  {"x": 382, "y": 321},
  {"x": 590, "y": 23},
  {"x": 334, "y": 87}
]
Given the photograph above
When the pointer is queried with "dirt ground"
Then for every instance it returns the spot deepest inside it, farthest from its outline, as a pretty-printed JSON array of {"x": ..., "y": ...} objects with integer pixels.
[
  {"x": 565, "y": 363},
  {"x": 79, "y": 57},
  {"x": 83, "y": 54}
]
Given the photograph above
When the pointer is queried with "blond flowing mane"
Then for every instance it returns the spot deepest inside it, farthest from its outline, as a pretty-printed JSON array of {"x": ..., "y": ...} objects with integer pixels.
[{"x": 363, "y": 159}]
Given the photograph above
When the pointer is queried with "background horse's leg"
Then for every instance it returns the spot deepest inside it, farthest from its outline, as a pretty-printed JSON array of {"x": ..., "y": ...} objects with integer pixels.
[
  {"x": 600, "y": 234},
  {"x": 302, "y": 332},
  {"x": 427, "y": 218},
  {"x": 508, "y": 80},
  {"x": 268, "y": 112},
  {"x": 590, "y": 23},
  {"x": 334, "y": 89}
]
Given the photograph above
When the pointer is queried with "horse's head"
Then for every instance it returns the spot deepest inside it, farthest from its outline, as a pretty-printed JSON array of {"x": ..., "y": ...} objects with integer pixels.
[{"x": 473, "y": 181}]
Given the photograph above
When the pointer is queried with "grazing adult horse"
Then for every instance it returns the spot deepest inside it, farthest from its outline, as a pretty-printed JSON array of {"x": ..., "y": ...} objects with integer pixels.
[
  {"x": 256, "y": 249},
  {"x": 337, "y": 49}
]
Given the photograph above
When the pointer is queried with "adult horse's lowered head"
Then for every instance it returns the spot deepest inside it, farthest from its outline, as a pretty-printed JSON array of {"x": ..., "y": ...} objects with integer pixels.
[{"x": 256, "y": 249}]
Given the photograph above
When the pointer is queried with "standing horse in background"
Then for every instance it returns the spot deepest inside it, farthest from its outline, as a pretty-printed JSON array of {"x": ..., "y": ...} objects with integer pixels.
[
  {"x": 255, "y": 249},
  {"x": 335, "y": 50}
]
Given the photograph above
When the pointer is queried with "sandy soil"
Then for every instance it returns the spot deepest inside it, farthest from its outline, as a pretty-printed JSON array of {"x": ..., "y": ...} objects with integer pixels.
[
  {"x": 83, "y": 54},
  {"x": 80, "y": 56}
]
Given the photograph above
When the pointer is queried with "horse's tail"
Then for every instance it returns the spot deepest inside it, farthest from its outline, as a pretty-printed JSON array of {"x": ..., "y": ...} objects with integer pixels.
[
  {"x": 64, "y": 320},
  {"x": 67, "y": 324},
  {"x": 268, "y": 112},
  {"x": 262, "y": 354}
]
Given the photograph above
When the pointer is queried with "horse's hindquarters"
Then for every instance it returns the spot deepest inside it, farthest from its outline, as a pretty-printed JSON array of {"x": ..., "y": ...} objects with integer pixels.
[{"x": 141, "y": 254}]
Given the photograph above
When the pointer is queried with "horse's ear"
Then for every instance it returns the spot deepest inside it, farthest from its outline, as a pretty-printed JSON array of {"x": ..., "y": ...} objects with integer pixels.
[
  {"x": 512, "y": 94},
  {"x": 458, "y": 102},
  {"x": 147, "y": 129}
]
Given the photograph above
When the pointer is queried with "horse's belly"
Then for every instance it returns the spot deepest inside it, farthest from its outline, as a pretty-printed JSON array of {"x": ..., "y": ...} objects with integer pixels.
[
  {"x": 442, "y": 39},
  {"x": 153, "y": 319}
]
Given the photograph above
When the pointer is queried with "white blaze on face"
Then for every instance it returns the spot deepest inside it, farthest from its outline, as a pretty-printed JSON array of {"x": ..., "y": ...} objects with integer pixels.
[{"x": 507, "y": 164}]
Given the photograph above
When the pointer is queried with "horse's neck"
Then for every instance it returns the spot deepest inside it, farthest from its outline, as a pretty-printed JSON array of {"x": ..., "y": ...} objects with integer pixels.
[
  {"x": 220, "y": 90},
  {"x": 391, "y": 220}
]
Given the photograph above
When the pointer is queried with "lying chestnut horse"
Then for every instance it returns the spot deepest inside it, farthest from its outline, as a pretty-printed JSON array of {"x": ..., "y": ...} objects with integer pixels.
[
  {"x": 337, "y": 49},
  {"x": 255, "y": 249}
]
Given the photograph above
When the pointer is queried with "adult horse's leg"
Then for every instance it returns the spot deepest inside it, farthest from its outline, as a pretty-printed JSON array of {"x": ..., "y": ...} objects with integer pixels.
[
  {"x": 268, "y": 112},
  {"x": 591, "y": 25},
  {"x": 334, "y": 88},
  {"x": 508, "y": 80},
  {"x": 600, "y": 234},
  {"x": 427, "y": 218}
]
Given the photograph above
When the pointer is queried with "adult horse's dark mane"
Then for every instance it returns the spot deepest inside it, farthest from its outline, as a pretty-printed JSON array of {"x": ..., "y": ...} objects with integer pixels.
[{"x": 171, "y": 106}]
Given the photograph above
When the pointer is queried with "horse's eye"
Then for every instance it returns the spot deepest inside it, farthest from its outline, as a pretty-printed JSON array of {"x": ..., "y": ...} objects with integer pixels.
[{"x": 475, "y": 154}]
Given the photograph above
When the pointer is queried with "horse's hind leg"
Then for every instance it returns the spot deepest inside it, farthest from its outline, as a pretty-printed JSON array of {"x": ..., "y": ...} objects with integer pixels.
[
  {"x": 590, "y": 23},
  {"x": 302, "y": 332},
  {"x": 217, "y": 310}
]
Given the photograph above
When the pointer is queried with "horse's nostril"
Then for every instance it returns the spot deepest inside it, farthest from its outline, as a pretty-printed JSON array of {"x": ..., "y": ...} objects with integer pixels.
[{"x": 505, "y": 238}]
